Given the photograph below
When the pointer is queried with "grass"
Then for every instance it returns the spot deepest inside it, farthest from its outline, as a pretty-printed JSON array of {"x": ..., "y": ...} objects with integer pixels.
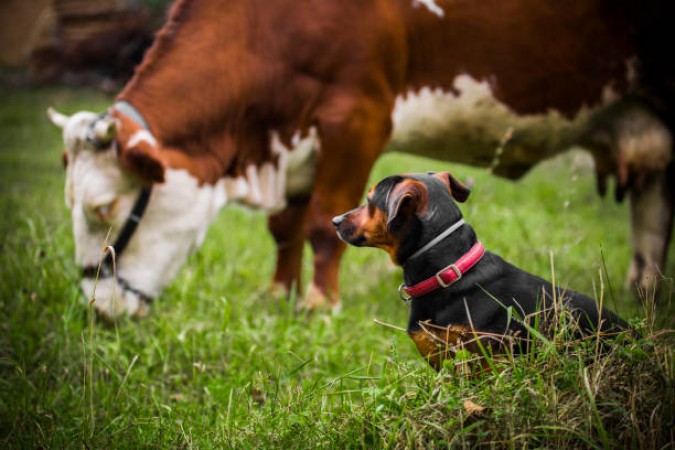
[{"x": 219, "y": 363}]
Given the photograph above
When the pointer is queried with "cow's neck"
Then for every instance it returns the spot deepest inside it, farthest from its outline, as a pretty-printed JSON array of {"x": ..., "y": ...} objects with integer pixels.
[{"x": 186, "y": 96}]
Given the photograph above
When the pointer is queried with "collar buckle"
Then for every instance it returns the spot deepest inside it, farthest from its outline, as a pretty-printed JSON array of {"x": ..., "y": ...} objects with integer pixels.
[
  {"x": 454, "y": 268},
  {"x": 458, "y": 268}
]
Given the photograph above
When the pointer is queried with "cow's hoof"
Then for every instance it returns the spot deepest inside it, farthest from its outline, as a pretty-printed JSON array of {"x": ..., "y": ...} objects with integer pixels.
[
  {"x": 315, "y": 300},
  {"x": 644, "y": 282},
  {"x": 278, "y": 291}
]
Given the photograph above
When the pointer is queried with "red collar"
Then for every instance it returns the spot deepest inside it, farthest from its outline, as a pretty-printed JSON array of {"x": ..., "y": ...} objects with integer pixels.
[{"x": 449, "y": 275}]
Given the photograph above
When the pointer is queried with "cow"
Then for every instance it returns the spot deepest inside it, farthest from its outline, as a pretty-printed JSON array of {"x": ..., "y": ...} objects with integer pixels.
[{"x": 286, "y": 106}]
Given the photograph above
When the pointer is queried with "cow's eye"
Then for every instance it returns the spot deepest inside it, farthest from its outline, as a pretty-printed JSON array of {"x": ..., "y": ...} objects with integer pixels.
[{"x": 102, "y": 212}]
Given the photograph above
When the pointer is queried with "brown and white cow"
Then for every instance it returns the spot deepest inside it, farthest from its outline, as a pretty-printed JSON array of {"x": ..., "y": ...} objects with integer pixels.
[{"x": 286, "y": 105}]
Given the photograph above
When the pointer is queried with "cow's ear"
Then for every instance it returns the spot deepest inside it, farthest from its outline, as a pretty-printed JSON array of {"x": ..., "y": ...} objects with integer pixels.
[
  {"x": 138, "y": 150},
  {"x": 143, "y": 158},
  {"x": 407, "y": 199},
  {"x": 58, "y": 119},
  {"x": 458, "y": 190}
]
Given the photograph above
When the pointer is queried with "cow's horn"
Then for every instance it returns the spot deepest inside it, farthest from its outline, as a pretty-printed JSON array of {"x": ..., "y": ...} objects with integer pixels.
[
  {"x": 105, "y": 130},
  {"x": 58, "y": 119}
]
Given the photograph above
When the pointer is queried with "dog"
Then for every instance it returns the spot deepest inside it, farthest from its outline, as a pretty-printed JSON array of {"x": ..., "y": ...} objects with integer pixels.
[{"x": 460, "y": 295}]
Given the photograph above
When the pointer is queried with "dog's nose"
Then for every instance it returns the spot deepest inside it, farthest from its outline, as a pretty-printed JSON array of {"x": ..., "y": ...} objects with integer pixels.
[{"x": 337, "y": 220}]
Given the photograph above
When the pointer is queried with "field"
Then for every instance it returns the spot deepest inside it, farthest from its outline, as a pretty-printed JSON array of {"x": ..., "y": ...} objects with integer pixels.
[{"x": 221, "y": 363}]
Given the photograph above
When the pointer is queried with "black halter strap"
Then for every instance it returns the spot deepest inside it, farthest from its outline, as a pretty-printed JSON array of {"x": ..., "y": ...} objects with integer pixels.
[
  {"x": 122, "y": 239},
  {"x": 107, "y": 264}
]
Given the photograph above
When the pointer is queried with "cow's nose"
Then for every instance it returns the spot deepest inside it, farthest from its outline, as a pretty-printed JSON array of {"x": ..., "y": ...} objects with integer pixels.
[{"x": 337, "y": 220}]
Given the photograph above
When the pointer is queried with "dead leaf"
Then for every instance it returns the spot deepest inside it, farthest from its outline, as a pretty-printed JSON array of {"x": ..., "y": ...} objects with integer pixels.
[
  {"x": 177, "y": 397},
  {"x": 258, "y": 395},
  {"x": 473, "y": 408}
]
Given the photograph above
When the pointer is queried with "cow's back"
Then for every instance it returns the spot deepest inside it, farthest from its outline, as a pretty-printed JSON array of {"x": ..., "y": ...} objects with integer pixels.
[
  {"x": 534, "y": 54},
  {"x": 525, "y": 72}
]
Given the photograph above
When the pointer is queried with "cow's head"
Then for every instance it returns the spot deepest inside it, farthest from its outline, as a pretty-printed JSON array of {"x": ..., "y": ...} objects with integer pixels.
[{"x": 111, "y": 163}]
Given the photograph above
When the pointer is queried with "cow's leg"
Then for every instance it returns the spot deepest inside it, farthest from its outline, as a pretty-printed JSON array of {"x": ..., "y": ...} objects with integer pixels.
[
  {"x": 651, "y": 210},
  {"x": 287, "y": 229},
  {"x": 351, "y": 140}
]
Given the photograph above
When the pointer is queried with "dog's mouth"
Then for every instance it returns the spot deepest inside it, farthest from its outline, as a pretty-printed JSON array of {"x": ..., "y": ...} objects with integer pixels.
[
  {"x": 358, "y": 241},
  {"x": 348, "y": 231},
  {"x": 347, "y": 236}
]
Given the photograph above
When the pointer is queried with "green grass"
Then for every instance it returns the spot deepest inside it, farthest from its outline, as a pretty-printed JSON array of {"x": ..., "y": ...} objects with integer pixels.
[{"x": 219, "y": 363}]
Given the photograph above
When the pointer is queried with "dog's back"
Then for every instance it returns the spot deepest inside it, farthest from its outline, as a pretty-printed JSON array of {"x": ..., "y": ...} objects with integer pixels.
[{"x": 536, "y": 298}]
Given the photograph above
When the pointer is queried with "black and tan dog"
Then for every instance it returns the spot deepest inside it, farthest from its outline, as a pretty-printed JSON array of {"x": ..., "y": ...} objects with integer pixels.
[{"x": 460, "y": 294}]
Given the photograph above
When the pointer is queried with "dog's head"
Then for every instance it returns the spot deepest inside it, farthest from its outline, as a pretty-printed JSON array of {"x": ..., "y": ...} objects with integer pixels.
[{"x": 403, "y": 212}]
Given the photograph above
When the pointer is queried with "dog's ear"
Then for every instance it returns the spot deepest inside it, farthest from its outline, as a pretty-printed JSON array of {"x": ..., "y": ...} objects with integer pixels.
[
  {"x": 408, "y": 198},
  {"x": 458, "y": 190}
]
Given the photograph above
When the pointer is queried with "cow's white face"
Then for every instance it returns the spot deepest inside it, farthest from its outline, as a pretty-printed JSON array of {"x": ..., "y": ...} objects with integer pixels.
[{"x": 101, "y": 195}]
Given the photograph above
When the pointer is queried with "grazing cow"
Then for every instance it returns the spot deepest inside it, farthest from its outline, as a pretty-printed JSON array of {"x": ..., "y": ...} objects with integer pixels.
[{"x": 286, "y": 105}]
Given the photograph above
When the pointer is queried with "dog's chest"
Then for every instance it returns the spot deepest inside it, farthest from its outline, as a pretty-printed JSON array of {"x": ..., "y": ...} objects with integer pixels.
[{"x": 436, "y": 343}]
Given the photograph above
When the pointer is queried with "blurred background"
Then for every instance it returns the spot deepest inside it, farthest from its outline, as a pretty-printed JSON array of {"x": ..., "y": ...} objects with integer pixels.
[{"x": 78, "y": 42}]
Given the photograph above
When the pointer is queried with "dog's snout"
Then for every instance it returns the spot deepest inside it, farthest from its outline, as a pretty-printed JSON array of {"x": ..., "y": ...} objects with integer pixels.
[{"x": 337, "y": 220}]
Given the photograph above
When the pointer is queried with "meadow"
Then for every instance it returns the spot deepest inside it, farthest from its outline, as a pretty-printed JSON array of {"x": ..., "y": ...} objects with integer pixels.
[{"x": 222, "y": 363}]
